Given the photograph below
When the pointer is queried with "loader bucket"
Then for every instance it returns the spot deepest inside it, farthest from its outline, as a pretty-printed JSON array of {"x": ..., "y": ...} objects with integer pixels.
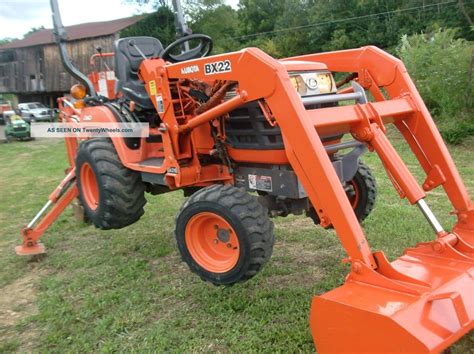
[{"x": 420, "y": 303}]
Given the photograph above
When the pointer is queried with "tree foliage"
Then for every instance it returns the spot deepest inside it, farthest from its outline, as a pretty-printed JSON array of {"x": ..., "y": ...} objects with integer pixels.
[
  {"x": 301, "y": 26},
  {"x": 159, "y": 24},
  {"x": 33, "y": 30},
  {"x": 6, "y": 40},
  {"x": 439, "y": 64},
  {"x": 217, "y": 20}
]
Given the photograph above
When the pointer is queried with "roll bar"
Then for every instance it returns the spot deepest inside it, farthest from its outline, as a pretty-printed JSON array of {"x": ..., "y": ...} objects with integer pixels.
[
  {"x": 100, "y": 56},
  {"x": 60, "y": 36}
]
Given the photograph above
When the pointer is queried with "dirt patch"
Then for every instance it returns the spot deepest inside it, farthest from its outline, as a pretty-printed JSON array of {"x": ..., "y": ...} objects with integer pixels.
[{"x": 17, "y": 302}]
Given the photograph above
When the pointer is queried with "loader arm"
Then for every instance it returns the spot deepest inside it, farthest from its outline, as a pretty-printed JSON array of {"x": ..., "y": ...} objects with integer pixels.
[
  {"x": 376, "y": 70},
  {"x": 423, "y": 300}
]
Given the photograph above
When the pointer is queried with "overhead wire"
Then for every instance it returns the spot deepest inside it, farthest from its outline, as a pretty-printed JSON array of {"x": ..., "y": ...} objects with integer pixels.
[{"x": 348, "y": 19}]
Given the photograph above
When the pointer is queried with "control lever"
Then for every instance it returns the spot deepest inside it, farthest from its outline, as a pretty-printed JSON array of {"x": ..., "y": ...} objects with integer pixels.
[
  {"x": 99, "y": 50},
  {"x": 132, "y": 44}
]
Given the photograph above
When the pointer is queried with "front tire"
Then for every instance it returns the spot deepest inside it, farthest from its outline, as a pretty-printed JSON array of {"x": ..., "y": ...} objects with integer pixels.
[
  {"x": 224, "y": 235},
  {"x": 111, "y": 194}
]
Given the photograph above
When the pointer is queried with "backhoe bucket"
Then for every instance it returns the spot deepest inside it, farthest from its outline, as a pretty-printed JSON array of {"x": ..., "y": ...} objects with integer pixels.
[{"x": 420, "y": 303}]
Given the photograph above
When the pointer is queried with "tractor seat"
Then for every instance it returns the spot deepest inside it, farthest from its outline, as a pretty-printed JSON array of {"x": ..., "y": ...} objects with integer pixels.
[{"x": 127, "y": 62}]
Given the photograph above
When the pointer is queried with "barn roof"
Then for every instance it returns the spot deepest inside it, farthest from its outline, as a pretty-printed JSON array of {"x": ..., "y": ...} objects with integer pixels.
[{"x": 81, "y": 31}]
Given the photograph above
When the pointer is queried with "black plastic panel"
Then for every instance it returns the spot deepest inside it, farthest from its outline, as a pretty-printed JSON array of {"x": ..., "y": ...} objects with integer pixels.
[{"x": 248, "y": 129}]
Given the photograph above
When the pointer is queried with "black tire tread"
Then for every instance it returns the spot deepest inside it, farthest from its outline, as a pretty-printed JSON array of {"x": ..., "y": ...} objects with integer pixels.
[
  {"x": 123, "y": 188},
  {"x": 371, "y": 186},
  {"x": 253, "y": 216},
  {"x": 363, "y": 175}
]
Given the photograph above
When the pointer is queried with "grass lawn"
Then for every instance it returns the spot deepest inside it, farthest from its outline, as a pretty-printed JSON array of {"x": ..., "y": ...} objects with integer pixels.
[{"x": 127, "y": 289}]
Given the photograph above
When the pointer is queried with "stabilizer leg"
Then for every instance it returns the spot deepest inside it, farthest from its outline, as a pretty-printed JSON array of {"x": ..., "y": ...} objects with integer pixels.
[{"x": 59, "y": 199}]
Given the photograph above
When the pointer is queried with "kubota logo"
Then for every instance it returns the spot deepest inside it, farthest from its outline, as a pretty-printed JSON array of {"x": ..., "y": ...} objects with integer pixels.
[{"x": 190, "y": 69}]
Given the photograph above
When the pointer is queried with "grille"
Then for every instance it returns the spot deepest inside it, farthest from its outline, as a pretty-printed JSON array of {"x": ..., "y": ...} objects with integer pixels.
[{"x": 247, "y": 128}]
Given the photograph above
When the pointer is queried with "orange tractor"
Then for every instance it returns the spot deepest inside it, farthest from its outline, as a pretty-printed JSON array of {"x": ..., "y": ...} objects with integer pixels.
[{"x": 225, "y": 125}]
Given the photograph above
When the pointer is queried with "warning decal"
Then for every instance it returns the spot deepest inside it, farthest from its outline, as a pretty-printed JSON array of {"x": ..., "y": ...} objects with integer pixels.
[
  {"x": 260, "y": 183},
  {"x": 159, "y": 103},
  {"x": 152, "y": 85}
]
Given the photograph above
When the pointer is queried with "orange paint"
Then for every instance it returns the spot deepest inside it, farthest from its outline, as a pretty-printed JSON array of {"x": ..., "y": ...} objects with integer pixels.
[{"x": 212, "y": 242}]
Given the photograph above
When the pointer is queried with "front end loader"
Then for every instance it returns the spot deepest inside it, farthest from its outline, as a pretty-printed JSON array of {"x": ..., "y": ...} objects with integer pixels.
[{"x": 225, "y": 125}]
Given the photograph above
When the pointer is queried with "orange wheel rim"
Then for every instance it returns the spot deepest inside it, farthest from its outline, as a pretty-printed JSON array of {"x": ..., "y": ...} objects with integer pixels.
[
  {"x": 212, "y": 242},
  {"x": 90, "y": 189},
  {"x": 354, "y": 199}
]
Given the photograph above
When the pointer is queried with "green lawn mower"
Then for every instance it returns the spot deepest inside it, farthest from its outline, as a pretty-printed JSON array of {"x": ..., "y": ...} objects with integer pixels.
[{"x": 15, "y": 127}]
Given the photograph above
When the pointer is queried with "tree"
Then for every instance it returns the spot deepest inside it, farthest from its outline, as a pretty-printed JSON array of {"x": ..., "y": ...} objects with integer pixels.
[
  {"x": 257, "y": 16},
  {"x": 301, "y": 26},
  {"x": 159, "y": 24},
  {"x": 290, "y": 27},
  {"x": 293, "y": 42},
  {"x": 33, "y": 30},
  {"x": 6, "y": 40},
  {"x": 219, "y": 21}
]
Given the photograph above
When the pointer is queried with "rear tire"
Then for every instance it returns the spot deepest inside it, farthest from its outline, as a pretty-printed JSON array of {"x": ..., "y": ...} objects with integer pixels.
[
  {"x": 111, "y": 194},
  {"x": 362, "y": 192},
  {"x": 224, "y": 235}
]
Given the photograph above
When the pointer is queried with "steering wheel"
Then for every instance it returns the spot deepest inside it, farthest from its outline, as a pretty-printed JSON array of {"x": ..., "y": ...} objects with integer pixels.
[{"x": 203, "y": 48}]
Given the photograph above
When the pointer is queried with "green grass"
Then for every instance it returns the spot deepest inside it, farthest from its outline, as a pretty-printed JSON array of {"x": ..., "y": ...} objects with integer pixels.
[{"x": 127, "y": 289}]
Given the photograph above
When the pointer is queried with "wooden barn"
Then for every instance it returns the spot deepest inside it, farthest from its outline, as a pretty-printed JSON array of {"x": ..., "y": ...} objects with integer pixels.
[{"x": 31, "y": 69}]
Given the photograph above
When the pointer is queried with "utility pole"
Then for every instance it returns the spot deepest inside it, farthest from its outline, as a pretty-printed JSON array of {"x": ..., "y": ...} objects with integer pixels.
[{"x": 182, "y": 28}]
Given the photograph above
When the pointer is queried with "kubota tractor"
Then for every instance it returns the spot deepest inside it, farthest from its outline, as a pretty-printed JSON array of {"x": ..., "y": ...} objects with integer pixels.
[{"x": 227, "y": 125}]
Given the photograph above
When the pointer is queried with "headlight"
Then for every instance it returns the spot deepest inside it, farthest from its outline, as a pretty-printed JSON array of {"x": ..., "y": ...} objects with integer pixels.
[
  {"x": 325, "y": 82},
  {"x": 313, "y": 83},
  {"x": 298, "y": 84}
]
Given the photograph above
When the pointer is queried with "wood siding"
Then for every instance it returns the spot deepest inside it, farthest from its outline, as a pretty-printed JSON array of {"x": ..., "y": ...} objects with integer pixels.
[{"x": 39, "y": 69}]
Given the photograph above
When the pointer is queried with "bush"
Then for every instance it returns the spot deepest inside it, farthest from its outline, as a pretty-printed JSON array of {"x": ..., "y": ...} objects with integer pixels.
[
  {"x": 439, "y": 64},
  {"x": 458, "y": 133}
]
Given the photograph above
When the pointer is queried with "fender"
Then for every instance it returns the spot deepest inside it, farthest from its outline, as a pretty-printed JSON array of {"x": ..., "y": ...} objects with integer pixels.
[
  {"x": 105, "y": 114},
  {"x": 131, "y": 143}
]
